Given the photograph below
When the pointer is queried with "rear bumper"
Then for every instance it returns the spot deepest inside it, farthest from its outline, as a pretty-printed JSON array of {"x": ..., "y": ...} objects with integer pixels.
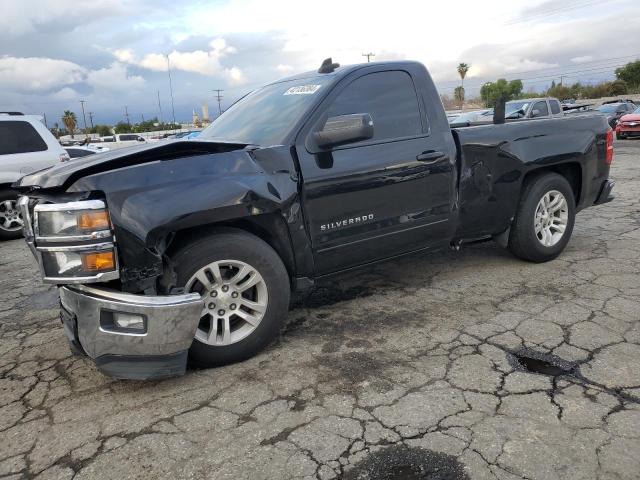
[
  {"x": 159, "y": 350},
  {"x": 605, "y": 195}
]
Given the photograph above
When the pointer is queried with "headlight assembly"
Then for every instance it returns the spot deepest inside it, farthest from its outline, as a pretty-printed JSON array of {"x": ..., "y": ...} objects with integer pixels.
[{"x": 86, "y": 220}]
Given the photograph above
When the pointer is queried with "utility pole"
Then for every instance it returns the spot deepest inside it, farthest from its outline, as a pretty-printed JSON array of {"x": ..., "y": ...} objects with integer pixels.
[
  {"x": 126, "y": 115},
  {"x": 45, "y": 120},
  {"x": 142, "y": 116},
  {"x": 561, "y": 77},
  {"x": 368, "y": 55},
  {"x": 173, "y": 110},
  {"x": 84, "y": 117},
  {"x": 217, "y": 90},
  {"x": 91, "y": 119},
  {"x": 160, "y": 108}
]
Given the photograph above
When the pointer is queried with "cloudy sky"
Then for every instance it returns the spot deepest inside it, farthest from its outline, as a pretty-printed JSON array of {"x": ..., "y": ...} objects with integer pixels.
[{"x": 112, "y": 53}]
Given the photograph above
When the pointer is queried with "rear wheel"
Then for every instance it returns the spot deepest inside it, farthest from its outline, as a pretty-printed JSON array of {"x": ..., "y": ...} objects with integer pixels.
[
  {"x": 544, "y": 219},
  {"x": 245, "y": 288},
  {"x": 10, "y": 216}
]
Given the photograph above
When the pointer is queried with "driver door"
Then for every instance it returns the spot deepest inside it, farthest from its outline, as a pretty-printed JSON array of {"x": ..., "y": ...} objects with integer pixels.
[{"x": 381, "y": 196}]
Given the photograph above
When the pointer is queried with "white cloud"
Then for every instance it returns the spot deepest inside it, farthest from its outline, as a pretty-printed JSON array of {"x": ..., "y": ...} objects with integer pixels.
[
  {"x": 284, "y": 69},
  {"x": 197, "y": 61},
  {"x": 21, "y": 17},
  {"x": 37, "y": 74},
  {"x": 114, "y": 77},
  {"x": 66, "y": 94},
  {"x": 582, "y": 59}
]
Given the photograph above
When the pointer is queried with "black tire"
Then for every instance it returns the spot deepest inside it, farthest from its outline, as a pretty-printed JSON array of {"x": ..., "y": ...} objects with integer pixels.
[
  {"x": 232, "y": 244},
  {"x": 523, "y": 241},
  {"x": 8, "y": 234}
]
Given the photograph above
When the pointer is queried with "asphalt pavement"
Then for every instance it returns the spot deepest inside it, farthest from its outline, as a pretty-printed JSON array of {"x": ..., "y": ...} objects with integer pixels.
[{"x": 450, "y": 365}]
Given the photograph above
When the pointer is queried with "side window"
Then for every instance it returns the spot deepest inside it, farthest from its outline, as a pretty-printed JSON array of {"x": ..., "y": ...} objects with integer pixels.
[
  {"x": 389, "y": 97},
  {"x": 555, "y": 107},
  {"x": 126, "y": 138},
  {"x": 542, "y": 109},
  {"x": 20, "y": 137}
]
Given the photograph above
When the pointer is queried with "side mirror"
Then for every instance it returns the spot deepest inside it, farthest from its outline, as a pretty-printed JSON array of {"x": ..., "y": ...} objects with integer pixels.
[
  {"x": 344, "y": 129},
  {"x": 535, "y": 113},
  {"x": 140, "y": 139}
]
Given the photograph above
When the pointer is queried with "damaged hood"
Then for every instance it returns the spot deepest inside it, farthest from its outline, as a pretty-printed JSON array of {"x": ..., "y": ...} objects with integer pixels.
[{"x": 65, "y": 173}]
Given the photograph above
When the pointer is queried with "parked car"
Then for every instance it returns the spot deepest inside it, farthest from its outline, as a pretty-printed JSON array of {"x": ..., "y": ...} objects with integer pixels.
[
  {"x": 78, "y": 152},
  {"x": 468, "y": 118},
  {"x": 192, "y": 248},
  {"x": 613, "y": 111},
  {"x": 533, "y": 108},
  {"x": 26, "y": 145},
  {"x": 629, "y": 125},
  {"x": 120, "y": 140}
]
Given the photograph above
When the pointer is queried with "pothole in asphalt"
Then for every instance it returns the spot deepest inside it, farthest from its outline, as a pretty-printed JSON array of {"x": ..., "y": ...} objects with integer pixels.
[
  {"x": 407, "y": 463},
  {"x": 544, "y": 364}
]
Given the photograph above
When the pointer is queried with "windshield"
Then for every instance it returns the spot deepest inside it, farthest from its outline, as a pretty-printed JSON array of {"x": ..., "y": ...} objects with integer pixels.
[
  {"x": 266, "y": 116},
  {"x": 512, "y": 107},
  {"x": 610, "y": 108}
]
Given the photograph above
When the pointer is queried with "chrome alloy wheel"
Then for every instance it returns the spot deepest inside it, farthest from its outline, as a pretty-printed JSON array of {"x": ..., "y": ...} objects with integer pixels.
[
  {"x": 10, "y": 216},
  {"x": 552, "y": 216},
  {"x": 235, "y": 301}
]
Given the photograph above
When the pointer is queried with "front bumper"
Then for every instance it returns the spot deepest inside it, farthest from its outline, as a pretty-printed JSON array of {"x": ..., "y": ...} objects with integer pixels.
[{"x": 159, "y": 351}]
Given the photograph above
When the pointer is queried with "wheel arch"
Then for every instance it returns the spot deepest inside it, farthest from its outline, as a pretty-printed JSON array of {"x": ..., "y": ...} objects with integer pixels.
[
  {"x": 269, "y": 227},
  {"x": 571, "y": 171}
]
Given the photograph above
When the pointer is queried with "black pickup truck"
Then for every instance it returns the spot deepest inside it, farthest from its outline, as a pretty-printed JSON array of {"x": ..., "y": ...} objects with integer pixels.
[{"x": 191, "y": 249}]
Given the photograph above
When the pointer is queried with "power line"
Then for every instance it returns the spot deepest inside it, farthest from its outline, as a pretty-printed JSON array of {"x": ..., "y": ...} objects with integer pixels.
[
  {"x": 173, "y": 110},
  {"x": 219, "y": 97},
  {"x": 84, "y": 117},
  {"x": 160, "y": 107}
]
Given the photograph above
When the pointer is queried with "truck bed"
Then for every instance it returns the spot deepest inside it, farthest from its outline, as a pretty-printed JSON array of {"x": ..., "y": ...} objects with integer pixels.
[{"x": 494, "y": 160}]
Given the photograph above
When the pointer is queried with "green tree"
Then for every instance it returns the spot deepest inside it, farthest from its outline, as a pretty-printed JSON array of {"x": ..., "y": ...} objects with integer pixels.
[
  {"x": 122, "y": 127},
  {"x": 630, "y": 73},
  {"x": 560, "y": 92},
  {"x": 618, "y": 87},
  {"x": 463, "y": 68},
  {"x": 102, "y": 130},
  {"x": 496, "y": 94},
  {"x": 70, "y": 121}
]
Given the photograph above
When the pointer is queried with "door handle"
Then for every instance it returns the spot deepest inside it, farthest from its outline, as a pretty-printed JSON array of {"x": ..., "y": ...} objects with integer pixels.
[{"x": 430, "y": 156}]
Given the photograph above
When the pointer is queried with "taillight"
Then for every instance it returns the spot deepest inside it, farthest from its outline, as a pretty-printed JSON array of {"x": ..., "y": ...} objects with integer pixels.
[{"x": 608, "y": 159}]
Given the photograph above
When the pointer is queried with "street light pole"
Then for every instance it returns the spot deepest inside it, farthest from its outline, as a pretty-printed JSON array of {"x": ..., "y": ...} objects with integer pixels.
[
  {"x": 84, "y": 117},
  {"x": 219, "y": 97},
  {"x": 368, "y": 55},
  {"x": 173, "y": 110}
]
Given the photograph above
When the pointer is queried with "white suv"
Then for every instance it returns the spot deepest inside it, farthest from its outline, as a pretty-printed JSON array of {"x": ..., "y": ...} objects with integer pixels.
[{"x": 26, "y": 146}]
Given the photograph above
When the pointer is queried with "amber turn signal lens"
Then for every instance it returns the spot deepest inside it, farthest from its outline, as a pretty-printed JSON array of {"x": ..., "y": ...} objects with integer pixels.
[
  {"x": 99, "y": 261},
  {"x": 93, "y": 220}
]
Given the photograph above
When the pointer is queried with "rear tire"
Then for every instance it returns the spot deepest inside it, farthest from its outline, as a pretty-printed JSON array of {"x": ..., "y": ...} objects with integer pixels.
[
  {"x": 223, "y": 255},
  {"x": 10, "y": 217},
  {"x": 544, "y": 219}
]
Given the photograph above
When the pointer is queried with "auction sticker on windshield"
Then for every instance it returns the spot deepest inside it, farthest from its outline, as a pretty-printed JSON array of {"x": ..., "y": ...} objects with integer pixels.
[{"x": 302, "y": 90}]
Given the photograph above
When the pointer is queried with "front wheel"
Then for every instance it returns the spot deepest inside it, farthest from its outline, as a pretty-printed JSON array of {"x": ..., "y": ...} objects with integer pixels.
[
  {"x": 245, "y": 288},
  {"x": 544, "y": 219},
  {"x": 10, "y": 218}
]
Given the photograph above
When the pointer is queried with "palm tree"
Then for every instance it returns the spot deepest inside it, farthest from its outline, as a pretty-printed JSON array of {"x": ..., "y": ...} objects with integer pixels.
[
  {"x": 70, "y": 121},
  {"x": 463, "y": 68}
]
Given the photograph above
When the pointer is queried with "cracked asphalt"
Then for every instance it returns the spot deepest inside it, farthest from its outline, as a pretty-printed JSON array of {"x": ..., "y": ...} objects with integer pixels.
[{"x": 413, "y": 369}]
